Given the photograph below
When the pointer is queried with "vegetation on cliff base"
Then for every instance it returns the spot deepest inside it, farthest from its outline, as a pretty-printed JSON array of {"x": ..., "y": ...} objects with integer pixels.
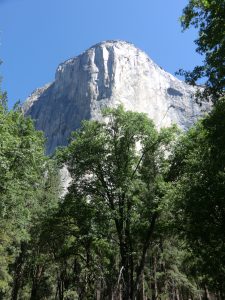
[{"x": 144, "y": 215}]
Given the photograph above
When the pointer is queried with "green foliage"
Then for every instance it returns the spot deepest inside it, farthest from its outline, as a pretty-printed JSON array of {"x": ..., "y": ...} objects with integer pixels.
[
  {"x": 3, "y": 96},
  {"x": 115, "y": 231},
  {"x": 209, "y": 17},
  {"x": 144, "y": 214},
  {"x": 24, "y": 176},
  {"x": 118, "y": 169},
  {"x": 199, "y": 174}
]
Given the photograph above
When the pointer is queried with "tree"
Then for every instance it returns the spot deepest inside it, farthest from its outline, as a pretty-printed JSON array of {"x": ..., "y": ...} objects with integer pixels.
[
  {"x": 199, "y": 179},
  {"x": 198, "y": 164},
  {"x": 209, "y": 17},
  {"x": 36, "y": 279},
  {"x": 119, "y": 167},
  {"x": 23, "y": 178}
]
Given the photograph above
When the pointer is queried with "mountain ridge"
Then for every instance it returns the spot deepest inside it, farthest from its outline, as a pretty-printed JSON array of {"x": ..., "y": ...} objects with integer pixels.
[{"x": 108, "y": 74}]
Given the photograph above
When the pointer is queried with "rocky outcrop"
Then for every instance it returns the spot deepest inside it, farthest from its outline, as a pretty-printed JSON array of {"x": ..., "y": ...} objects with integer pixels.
[{"x": 108, "y": 74}]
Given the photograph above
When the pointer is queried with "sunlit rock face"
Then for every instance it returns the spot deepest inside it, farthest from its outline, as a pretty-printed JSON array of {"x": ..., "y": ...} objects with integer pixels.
[{"x": 108, "y": 74}]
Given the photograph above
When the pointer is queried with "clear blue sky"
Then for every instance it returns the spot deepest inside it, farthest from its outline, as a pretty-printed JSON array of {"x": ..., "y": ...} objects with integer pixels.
[{"x": 36, "y": 35}]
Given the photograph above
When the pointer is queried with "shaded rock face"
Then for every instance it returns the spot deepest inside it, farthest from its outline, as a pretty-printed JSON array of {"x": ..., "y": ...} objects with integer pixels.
[{"x": 108, "y": 74}]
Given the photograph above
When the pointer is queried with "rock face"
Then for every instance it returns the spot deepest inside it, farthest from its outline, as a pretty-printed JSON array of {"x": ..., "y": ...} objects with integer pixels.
[{"x": 108, "y": 74}]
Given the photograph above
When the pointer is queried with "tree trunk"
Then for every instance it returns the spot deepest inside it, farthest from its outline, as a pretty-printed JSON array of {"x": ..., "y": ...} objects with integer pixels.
[
  {"x": 60, "y": 285},
  {"x": 141, "y": 291},
  {"x": 18, "y": 273},
  {"x": 146, "y": 245},
  {"x": 33, "y": 295},
  {"x": 155, "y": 276},
  {"x": 127, "y": 272},
  {"x": 35, "y": 282},
  {"x": 206, "y": 295},
  {"x": 177, "y": 294}
]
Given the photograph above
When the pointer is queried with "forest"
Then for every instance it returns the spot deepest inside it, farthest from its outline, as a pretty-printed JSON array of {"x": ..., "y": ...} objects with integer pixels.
[{"x": 144, "y": 215}]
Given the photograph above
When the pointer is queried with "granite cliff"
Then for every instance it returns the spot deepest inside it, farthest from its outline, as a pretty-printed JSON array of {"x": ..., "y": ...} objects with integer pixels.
[{"x": 108, "y": 74}]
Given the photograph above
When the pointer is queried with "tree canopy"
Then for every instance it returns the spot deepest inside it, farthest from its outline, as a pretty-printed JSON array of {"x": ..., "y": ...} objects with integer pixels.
[
  {"x": 24, "y": 172},
  {"x": 208, "y": 16},
  {"x": 119, "y": 166},
  {"x": 144, "y": 215}
]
